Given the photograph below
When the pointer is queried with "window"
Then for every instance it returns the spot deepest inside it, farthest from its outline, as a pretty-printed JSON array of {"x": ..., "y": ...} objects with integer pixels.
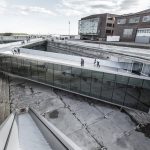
[
  {"x": 134, "y": 20},
  {"x": 127, "y": 33},
  {"x": 108, "y": 31},
  {"x": 110, "y": 18},
  {"x": 109, "y": 25},
  {"x": 121, "y": 21},
  {"x": 146, "y": 19}
]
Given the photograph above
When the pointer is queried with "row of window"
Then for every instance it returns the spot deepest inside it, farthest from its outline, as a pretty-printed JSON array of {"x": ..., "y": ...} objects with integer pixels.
[
  {"x": 127, "y": 91},
  {"x": 143, "y": 31},
  {"x": 134, "y": 20}
]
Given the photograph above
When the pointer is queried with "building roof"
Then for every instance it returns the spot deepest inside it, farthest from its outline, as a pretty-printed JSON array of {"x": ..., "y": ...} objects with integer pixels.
[
  {"x": 98, "y": 15},
  {"x": 137, "y": 13}
]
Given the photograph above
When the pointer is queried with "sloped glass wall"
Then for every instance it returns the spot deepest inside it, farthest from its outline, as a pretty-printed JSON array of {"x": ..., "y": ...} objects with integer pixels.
[{"x": 122, "y": 90}]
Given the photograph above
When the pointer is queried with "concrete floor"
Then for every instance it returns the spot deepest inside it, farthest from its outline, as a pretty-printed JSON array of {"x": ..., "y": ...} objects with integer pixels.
[{"x": 91, "y": 125}]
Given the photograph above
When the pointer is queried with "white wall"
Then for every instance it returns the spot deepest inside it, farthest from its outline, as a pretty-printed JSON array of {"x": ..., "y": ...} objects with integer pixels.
[{"x": 113, "y": 38}]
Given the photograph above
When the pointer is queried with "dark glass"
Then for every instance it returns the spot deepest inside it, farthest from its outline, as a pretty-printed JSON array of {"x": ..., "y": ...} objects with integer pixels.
[
  {"x": 119, "y": 93},
  {"x": 26, "y": 68},
  {"x": 42, "y": 69},
  {"x": 86, "y": 81},
  {"x": 49, "y": 74},
  {"x": 146, "y": 84},
  {"x": 34, "y": 69},
  {"x": 96, "y": 84},
  {"x": 107, "y": 89},
  {"x": 57, "y": 75},
  {"x": 14, "y": 65},
  {"x": 145, "y": 97},
  {"x": 130, "y": 101},
  {"x": 66, "y": 76},
  {"x": 75, "y": 79}
]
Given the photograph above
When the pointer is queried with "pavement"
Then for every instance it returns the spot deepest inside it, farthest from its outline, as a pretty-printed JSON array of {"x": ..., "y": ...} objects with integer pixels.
[{"x": 125, "y": 44}]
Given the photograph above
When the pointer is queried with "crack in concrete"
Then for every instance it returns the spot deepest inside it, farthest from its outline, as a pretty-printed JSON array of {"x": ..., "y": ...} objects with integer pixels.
[{"x": 102, "y": 147}]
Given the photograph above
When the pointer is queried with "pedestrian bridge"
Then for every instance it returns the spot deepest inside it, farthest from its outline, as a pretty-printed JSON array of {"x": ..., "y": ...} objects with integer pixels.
[
  {"x": 25, "y": 129},
  {"x": 113, "y": 82}
]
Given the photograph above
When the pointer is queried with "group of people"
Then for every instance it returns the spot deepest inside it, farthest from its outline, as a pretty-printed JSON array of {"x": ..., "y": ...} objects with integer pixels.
[
  {"x": 97, "y": 63},
  {"x": 16, "y": 51},
  {"x": 28, "y": 40}
]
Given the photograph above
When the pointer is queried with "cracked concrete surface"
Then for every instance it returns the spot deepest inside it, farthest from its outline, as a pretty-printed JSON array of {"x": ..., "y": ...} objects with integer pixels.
[{"x": 90, "y": 124}]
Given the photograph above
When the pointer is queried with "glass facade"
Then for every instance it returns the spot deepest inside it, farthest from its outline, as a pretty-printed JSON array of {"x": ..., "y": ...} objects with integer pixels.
[
  {"x": 121, "y": 21},
  {"x": 89, "y": 26},
  {"x": 134, "y": 20},
  {"x": 146, "y": 18},
  {"x": 122, "y": 90}
]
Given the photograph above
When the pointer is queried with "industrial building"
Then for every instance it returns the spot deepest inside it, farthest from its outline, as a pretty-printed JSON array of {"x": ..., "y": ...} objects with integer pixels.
[
  {"x": 96, "y": 27},
  {"x": 133, "y": 27}
]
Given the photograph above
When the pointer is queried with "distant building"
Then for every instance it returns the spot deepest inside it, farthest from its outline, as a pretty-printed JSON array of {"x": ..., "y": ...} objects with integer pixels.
[
  {"x": 134, "y": 27},
  {"x": 96, "y": 27}
]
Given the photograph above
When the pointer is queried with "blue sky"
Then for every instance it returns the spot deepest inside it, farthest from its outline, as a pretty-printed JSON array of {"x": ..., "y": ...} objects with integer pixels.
[{"x": 52, "y": 16}]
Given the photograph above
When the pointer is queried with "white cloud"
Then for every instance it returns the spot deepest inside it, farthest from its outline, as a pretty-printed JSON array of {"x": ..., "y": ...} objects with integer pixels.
[
  {"x": 86, "y": 7},
  {"x": 3, "y": 6},
  {"x": 25, "y": 10}
]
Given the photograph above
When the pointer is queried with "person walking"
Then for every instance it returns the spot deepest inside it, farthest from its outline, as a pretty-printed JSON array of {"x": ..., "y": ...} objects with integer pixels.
[
  {"x": 82, "y": 62},
  {"x": 98, "y": 65},
  {"x": 18, "y": 50}
]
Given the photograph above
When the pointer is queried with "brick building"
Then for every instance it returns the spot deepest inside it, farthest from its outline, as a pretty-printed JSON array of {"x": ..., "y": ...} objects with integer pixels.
[
  {"x": 133, "y": 27},
  {"x": 96, "y": 27}
]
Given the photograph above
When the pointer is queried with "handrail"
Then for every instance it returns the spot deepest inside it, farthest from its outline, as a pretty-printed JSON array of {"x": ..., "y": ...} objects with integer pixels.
[
  {"x": 5, "y": 131},
  {"x": 62, "y": 141}
]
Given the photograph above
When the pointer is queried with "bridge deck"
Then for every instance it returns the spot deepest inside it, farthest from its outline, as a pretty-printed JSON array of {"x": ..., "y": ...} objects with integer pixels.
[{"x": 74, "y": 61}]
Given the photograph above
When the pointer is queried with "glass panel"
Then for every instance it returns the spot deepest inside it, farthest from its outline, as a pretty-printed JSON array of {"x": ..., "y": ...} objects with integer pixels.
[
  {"x": 88, "y": 26},
  {"x": 96, "y": 84},
  {"x": 134, "y": 91},
  {"x": 119, "y": 93},
  {"x": 20, "y": 67},
  {"x": 49, "y": 73},
  {"x": 75, "y": 79},
  {"x": 57, "y": 75},
  {"x": 130, "y": 101},
  {"x": 66, "y": 76},
  {"x": 27, "y": 68},
  {"x": 86, "y": 82},
  {"x": 121, "y": 21},
  {"x": 146, "y": 84},
  {"x": 42, "y": 69},
  {"x": 6, "y": 63},
  {"x": 145, "y": 96},
  {"x": 146, "y": 19},
  {"x": 107, "y": 89},
  {"x": 122, "y": 79},
  {"x": 109, "y": 77},
  {"x": 127, "y": 33},
  {"x": 135, "y": 82},
  {"x": 134, "y": 20},
  {"x": 14, "y": 65},
  {"x": 142, "y": 107},
  {"x": 34, "y": 71}
]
